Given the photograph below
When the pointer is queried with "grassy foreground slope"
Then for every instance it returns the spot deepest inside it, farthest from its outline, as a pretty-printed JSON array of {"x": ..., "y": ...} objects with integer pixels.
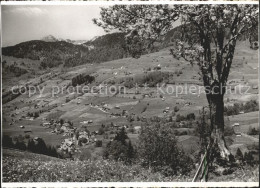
[
  {"x": 21, "y": 166},
  {"x": 29, "y": 167}
]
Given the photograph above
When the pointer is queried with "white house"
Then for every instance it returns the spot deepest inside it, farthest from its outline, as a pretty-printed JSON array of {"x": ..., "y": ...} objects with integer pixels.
[{"x": 235, "y": 125}]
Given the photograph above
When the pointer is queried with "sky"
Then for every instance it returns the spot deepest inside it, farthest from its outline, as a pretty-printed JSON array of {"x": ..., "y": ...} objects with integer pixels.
[{"x": 23, "y": 23}]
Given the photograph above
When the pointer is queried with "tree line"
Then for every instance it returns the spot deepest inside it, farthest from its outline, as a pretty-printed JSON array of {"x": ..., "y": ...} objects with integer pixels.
[{"x": 25, "y": 143}]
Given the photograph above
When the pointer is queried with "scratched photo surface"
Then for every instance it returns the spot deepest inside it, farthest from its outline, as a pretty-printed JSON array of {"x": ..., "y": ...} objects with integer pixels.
[{"x": 130, "y": 93}]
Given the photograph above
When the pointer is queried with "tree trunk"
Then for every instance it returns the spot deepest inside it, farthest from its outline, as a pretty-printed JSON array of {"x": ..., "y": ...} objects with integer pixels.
[{"x": 217, "y": 134}]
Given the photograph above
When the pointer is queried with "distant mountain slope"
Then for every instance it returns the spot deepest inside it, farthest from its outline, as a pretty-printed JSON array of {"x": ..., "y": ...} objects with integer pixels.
[
  {"x": 72, "y": 53},
  {"x": 37, "y": 49},
  {"x": 112, "y": 39},
  {"x": 53, "y": 53}
]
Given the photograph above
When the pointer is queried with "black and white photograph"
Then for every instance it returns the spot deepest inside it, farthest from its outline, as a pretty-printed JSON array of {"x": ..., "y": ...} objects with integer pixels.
[{"x": 130, "y": 92}]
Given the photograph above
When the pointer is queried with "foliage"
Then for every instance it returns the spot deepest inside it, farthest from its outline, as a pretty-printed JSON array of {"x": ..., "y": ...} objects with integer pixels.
[
  {"x": 249, "y": 106},
  {"x": 190, "y": 116},
  {"x": 253, "y": 131},
  {"x": 249, "y": 159},
  {"x": 99, "y": 143},
  {"x": 105, "y": 48},
  {"x": 33, "y": 145},
  {"x": 180, "y": 118},
  {"x": 7, "y": 141},
  {"x": 34, "y": 114},
  {"x": 239, "y": 155},
  {"x": 176, "y": 109},
  {"x": 101, "y": 131},
  {"x": 150, "y": 78},
  {"x": 229, "y": 131},
  {"x": 82, "y": 79},
  {"x": 16, "y": 70},
  {"x": 146, "y": 24},
  {"x": 209, "y": 36},
  {"x": 51, "y": 61},
  {"x": 158, "y": 149},
  {"x": 120, "y": 149},
  {"x": 39, "y": 168}
]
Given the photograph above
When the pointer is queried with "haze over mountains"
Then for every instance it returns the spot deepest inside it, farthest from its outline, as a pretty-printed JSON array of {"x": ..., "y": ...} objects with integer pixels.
[
  {"x": 53, "y": 51},
  {"x": 51, "y": 38}
]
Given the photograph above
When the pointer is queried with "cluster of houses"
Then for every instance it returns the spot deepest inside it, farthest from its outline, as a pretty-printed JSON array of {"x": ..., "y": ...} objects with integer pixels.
[
  {"x": 75, "y": 136},
  {"x": 103, "y": 107},
  {"x": 80, "y": 137}
]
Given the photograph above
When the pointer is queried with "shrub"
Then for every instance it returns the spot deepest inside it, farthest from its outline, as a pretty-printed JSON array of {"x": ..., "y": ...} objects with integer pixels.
[
  {"x": 129, "y": 82},
  {"x": 7, "y": 141},
  {"x": 84, "y": 155},
  {"x": 191, "y": 116},
  {"x": 35, "y": 146},
  {"x": 249, "y": 106},
  {"x": 81, "y": 79},
  {"x": 27, "y": 136},
  {"x": 131, "y": 130},
  {"x": 239, "y": 155},
  {"x": 20, "y": 145},
  {"x": 158, "y": 149},
  {"x": 119, "y": 149},
  {"x": 249, "y": 159},
  {"x": 180, "y": 118},
  {"x": 176, "y": 109},
  {"x": 99, "y": 143},
  {"x": 228, "y": 131},
  {"x": 253, "y": 131},
  {"x": 101, "y": 131}
]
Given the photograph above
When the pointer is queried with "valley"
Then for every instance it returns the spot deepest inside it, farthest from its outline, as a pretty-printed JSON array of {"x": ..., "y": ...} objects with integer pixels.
[{"x": 96, "y": 114}]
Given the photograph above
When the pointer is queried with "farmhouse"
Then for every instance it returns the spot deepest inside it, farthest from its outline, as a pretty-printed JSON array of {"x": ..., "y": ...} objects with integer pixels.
[
  {"x": 46, "y": 124},
  {"x": 238, "y": 134},
  {"x": 165, "y": 111},
  {"x": 235, "y": 125},
  {"x": 137, "y": 129},
  {"x": 255, "y": 87}
]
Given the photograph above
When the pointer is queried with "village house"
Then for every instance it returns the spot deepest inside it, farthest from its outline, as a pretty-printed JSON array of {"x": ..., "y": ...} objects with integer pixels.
[
  {"x": 235, "y": 125},
  {"x": 45, "y": 124}
]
